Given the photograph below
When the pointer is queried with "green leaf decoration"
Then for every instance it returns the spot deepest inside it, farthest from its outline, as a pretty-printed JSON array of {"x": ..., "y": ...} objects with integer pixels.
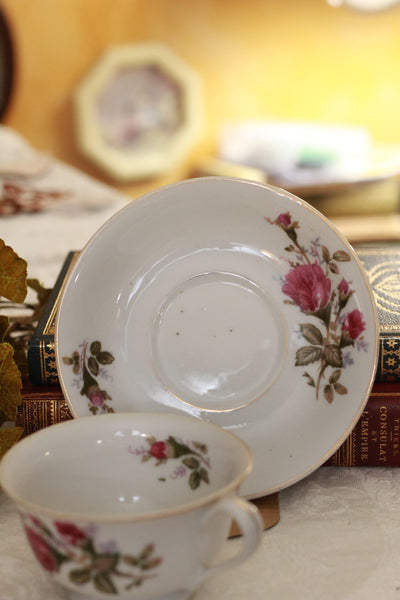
[
  {"x": 130, "y": 560},
  {"x": 333, "y": 355},
  {"x": 105, "y": 358},
  {"x": 310, "y": 380},
  {"x": 93, "y": 365},
  {"x": 341, "y": 256},
  {"x": 204, "y": 475},
  {"x": 191, "y": 462},
  {"x": 13, "y": 274},
  {"x": 312, "y": 334},
  {"x": 307, "y": 355},
  {"x": 335, "y": 376},
  {"x": 80, "y": 576},
  {"x": 179, "y": 449},
  {"x": 146, "y": 552},
  {"x": 104, "y": 583},
  {"x": 95, "y": 348},
  {"x": 326, "y": 254},
  {"x": 194, "y": 480},
  {"x": 106, "y": 562},
  {"x": 333, "y": 268},
  {"x": 340, "y": 389},
  {"x": 345, "y": 339},
  {"x": 328, "y": 393}
]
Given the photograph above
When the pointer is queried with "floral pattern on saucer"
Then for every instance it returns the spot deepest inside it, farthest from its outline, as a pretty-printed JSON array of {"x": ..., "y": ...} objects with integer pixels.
[
  {"x": 88, "y": 364},
  {"x": 193, "y": 459},
  {"x": 101, "y": 565},
  {"x": 333, "y": 329}
]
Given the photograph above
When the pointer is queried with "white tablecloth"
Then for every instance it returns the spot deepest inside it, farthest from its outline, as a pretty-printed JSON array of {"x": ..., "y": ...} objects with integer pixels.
[{"x": 339, "y": 533}]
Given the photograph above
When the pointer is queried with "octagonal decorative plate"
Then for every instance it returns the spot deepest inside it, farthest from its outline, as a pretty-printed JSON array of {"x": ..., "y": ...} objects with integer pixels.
[{"x": 231, "y": 301}]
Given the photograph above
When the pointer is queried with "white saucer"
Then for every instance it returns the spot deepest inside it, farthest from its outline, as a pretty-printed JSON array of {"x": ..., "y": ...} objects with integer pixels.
[{"x": 217, "y": 297}]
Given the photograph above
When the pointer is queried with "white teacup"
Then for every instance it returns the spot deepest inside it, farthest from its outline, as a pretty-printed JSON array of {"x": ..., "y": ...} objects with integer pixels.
[{"x": 131, "y": 505}]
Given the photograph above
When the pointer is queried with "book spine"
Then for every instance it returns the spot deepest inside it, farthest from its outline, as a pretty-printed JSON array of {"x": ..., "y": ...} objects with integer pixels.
[
  {"x": 41, "y": 407},
  {"x": 41, "y": 351},
  {"x": 375, "y": 440},
  {"x": 388, "y": 367}
]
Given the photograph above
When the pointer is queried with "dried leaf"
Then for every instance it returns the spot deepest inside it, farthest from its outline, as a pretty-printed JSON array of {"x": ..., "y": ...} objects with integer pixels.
[
  {"x": 4, "y": 325},
  {"x": 10, "y": 382},
  {"x": 13, "y": 274}
]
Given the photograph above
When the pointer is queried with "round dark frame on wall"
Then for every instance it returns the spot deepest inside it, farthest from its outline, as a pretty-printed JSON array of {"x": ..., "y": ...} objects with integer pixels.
[{"x": 6, "y": 64}]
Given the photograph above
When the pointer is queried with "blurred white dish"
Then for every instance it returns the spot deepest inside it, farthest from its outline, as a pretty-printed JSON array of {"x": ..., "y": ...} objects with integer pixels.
[{"x": 232, "y": 301}]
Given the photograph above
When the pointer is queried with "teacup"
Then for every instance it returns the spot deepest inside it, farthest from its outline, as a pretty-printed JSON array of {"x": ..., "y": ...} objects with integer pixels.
[{"x": 132, "y": 505}]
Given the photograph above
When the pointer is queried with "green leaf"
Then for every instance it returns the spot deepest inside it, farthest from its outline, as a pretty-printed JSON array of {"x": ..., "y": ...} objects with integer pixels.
[
  {"x": 333, "y": 268},
  {"x": 345, "y": 339},
  {"x": 191, "y": 462},
  {"x": 106, "y": 562},
  {"x": 130, "y": 560},
  {"x": 194, "y": 480},
  {"x": 95, "y": 348},
  {"x": 340, "y": 389},
  {"x": 104, "y": 583},
  {"x": 328, "y": 393},
  {"x": 80, "y": 576},
  {"x": 326, "y": 254},
  {"x": 311, "y": 333},
  {"x": 105, "y": 358},
  {"x": 341, "y": 256},
  {"x": 93, "y": 365},
  {"x": 178, "y": 448},
  {"x": 310, "y": 380},
  {"x": 307, "y": 355},
  {"x": 204, "y": 475},
  {"x": 335, "y": 376},
  {"x": 333, "y": 355}
]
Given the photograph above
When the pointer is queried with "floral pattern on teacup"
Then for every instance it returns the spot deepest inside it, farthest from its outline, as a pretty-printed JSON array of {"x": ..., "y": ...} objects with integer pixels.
[
  {"x": 192, "y": 457},
  {"x": 89, "y": 365},
  {"x": 333, "y": 328},
  {"x": 65, "y": 546}
]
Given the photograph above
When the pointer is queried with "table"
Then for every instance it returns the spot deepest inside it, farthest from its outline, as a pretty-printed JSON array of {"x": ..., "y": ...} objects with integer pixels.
[{"x": 338, "y": 537}]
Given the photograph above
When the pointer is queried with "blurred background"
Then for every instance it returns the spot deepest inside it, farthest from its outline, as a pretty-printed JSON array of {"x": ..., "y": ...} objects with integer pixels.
[{"x": 258, "y": 60}]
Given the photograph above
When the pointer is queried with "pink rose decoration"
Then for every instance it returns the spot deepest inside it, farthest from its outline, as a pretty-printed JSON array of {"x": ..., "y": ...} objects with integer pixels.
[
  {"x": 70, "y": 532},
  {"x": 284, "y": 219},
  {"x": 159, "y": 450},
  {"x": 308, "y": 286},
  {"x": 96, "y": 397},
  {"x": 41, "y": 550},
  {"x": 343, "y": 287},
  {"x": 354, "y": 323}
]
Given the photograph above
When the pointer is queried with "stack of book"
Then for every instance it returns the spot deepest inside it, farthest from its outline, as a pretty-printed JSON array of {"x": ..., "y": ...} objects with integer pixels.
[{"x": 375, "y": 439}]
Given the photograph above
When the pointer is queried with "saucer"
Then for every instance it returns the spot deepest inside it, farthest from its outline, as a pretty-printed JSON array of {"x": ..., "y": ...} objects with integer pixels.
[{"x": 232, "y": 301}]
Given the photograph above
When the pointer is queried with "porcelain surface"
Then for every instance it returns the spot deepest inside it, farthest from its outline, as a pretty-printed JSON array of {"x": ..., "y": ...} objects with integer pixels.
[
  {"x": 231, "y": 301},
  {"x": 100, "y": 513}
]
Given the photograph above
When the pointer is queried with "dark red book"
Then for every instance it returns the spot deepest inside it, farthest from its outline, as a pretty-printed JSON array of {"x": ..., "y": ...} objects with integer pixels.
[{"x": 375, "y": 440}]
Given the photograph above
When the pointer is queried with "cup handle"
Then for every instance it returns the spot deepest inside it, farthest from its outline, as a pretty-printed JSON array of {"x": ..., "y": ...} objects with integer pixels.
[{"x": 250, "y": 524}]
